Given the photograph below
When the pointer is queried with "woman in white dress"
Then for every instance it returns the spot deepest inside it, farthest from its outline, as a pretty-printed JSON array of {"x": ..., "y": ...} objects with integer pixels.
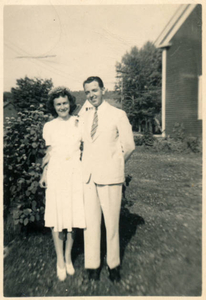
[{"x": 62, "y": 176}]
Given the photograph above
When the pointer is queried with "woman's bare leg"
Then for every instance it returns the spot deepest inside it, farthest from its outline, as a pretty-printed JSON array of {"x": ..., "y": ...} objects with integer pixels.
[
  {"x": 68, "y": 251},
  {"x": 68, "y": 248},
  {"x": 58, "y": 243}
]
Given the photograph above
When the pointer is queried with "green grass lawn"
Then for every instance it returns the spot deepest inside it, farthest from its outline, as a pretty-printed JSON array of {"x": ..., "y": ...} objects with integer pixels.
[{"x": 160, "y": 235}]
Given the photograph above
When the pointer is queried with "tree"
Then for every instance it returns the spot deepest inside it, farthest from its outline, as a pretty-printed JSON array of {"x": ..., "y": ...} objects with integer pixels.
[
  {"x": 139, "y": 84},
  {"x": 30, "y": 93}
]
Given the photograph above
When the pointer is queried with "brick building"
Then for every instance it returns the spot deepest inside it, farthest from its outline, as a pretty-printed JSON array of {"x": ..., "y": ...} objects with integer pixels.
[{"x": 181, "y": 43}]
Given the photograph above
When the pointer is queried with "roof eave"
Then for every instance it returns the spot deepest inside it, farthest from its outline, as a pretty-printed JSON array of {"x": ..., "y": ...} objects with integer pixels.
[
  {"x": 164, "y": 45},
  {"x": 174, "y": 24}
]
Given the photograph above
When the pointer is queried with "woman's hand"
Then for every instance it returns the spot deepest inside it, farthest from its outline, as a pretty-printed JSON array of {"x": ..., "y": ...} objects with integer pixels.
[
  {"x": 43, "y": 180},
  {"x": 43, "y": 183}
]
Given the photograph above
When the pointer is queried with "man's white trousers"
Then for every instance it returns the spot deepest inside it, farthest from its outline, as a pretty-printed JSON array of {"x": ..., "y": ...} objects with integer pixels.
[{"x": 98, "y": 199}]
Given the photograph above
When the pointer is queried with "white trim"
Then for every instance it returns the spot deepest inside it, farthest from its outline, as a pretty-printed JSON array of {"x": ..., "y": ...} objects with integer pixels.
[
  {"x": 170, "y": 24},
  {"x": 199, "y": 116},
  {"x": 164, "y": 61},
  {"x": 164, "y": 45},
  {"x": 174, "y": 24}
]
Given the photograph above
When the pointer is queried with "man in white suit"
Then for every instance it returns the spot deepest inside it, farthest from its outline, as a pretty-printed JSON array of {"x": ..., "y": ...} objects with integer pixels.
[{"x": 108, "y": 143}]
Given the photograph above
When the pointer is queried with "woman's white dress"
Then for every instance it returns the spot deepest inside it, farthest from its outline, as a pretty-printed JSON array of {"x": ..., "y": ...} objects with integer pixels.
[{"x": 64, "y": 207}]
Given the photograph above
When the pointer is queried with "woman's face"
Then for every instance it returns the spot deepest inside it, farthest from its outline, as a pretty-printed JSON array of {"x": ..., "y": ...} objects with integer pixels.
[{"x": 62, "y": 107}]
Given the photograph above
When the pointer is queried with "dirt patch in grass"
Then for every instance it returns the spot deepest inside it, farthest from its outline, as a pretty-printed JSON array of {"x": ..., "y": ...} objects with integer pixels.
[{"x": 160, "y": 237}]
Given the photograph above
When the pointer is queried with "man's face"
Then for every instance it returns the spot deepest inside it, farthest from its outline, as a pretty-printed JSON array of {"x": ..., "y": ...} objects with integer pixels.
[{"x": 94, "y": 93}]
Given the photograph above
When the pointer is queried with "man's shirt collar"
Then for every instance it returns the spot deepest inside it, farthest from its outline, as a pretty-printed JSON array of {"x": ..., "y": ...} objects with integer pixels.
[{"x": 100, "y": 107}]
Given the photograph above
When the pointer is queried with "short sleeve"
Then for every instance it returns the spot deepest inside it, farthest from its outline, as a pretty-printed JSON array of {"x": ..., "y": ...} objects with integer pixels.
[{"x": 47, "y": 134}]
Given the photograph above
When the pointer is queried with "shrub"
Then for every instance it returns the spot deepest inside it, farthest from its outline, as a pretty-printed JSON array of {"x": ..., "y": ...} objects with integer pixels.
[
  {"x": 27, "y": 197},
  {"x": 177, "y": 142},
  {"x": 169, "y": 145},
  {"x": 138, "y": 139},
  {"x": 178, "y": 132},
  {"x": 194, "y": 144},
  {"x": 23, "y": 149},
  {"x": 162, "y": 145},
  {"x": 148, "y": 138},
  {"x": 190, "y": 144}
]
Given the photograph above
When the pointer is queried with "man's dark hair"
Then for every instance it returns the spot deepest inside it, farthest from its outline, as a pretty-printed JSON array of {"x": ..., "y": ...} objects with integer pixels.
[{"x": 94, "y": 78}]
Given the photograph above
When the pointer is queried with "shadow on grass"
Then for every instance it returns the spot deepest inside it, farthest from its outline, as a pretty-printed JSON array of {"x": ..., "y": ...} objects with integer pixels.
[
  {"x": 128, "y": 225},
  {"x": 78, "y": 246}
]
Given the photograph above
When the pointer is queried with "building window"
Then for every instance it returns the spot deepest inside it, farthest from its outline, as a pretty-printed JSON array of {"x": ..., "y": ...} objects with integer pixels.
[{"x": 200, "y": 98}]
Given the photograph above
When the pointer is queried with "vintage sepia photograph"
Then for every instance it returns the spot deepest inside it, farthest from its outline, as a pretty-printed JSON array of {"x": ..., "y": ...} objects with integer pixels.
[{"x": 102, "y": 149}]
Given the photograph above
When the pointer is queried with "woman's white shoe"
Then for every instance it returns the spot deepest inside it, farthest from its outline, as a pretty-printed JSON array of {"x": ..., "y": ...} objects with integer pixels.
[
  {"x": 70, "y": 269},
  {"x": 61, "y": 273}
]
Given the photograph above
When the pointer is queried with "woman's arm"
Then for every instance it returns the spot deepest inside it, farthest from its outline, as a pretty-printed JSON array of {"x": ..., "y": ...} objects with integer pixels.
[
  {"x": 45, "y": 161},
  {"x": 46, "y": 158},
  {"x": 43, "y": 179}
]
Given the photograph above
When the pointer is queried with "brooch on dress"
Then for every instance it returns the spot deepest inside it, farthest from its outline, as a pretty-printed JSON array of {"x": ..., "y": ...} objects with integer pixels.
[{"x": 77, "y": 121}]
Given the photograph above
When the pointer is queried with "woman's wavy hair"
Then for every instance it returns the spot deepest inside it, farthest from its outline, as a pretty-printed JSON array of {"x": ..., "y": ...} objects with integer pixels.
[{"x": 57, "y": 92}]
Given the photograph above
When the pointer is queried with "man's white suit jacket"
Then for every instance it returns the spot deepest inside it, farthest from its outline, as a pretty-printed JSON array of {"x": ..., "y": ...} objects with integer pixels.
[{"x": 104, "y": 155}]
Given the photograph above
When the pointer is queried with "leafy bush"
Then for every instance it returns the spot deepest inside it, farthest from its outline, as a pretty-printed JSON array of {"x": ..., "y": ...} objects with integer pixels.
[
  {"x": 178, "y": 132},
  {"x": 138, "y": 139},
  {"x": 169, "y": 145},
  {"x": 27, "y": 197},
  {"x": 148, "y": 138},
  {"x": 31, "y": 92},
  {"x": 162, "y": 145},
  {"x": 177, "y": 142},
  {"x": 194, "y": 144},
  {"x": 23, "y": 149},
  {"x": 190, "y": 144}
]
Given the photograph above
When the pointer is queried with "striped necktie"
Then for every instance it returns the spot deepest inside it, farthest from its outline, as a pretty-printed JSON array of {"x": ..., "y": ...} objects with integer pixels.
[{"x": 94, "y": 124}]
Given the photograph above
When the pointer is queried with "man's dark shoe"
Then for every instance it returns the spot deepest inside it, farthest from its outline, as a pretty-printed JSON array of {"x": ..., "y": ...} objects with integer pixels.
[
  {"x": 114, "y": 274},
  {"x": 94, "y": 274}
]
